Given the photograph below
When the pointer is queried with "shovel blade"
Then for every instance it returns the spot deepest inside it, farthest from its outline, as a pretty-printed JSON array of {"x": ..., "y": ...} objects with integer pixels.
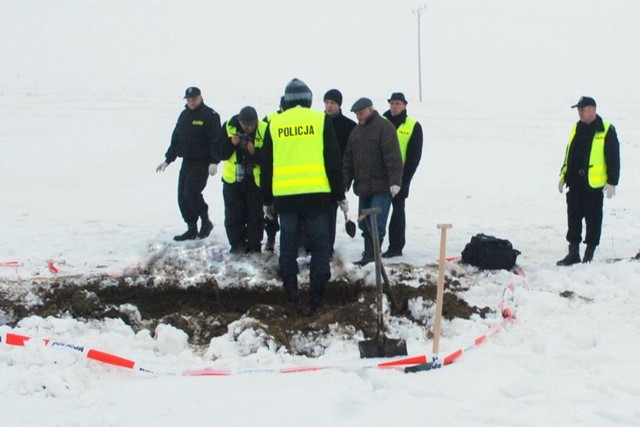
[
  {"x": 382, "y": 348},
  {"x": 350, "y": 227}
]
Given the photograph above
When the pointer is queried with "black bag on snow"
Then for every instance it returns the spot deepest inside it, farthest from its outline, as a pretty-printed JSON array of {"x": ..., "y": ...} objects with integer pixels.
[{"x": 490, "y": 253}]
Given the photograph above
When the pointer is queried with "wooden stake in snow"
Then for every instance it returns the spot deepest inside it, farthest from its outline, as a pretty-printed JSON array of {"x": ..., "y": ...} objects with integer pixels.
[{"x": 440, "y": 293}]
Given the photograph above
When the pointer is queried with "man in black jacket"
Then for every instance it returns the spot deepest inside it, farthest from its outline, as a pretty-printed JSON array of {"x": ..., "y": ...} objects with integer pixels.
[
  {"x": 591, "y": 167},
  {"x": 410, "y": 139},
  {"x": 342, "y": 126},
  {"x": 193, "y": 140}
]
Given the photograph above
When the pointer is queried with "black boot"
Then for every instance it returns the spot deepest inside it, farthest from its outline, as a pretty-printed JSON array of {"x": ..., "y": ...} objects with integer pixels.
[
  {"x": 391, "y": 253},
  {"x": 206, "y": 227},
  {"x": 588, "y": 253},
  {"x": 293, "y": 298},
  {"x": 316, "y": 298},
  {"x": 190, "y": 234},
  {"x": 367, "y": 255},
  {"x": 573, "y": 257}
]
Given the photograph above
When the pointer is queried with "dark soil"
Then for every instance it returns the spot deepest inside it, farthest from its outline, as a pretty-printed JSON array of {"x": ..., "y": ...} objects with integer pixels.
[{"x": 205, "y": 310}]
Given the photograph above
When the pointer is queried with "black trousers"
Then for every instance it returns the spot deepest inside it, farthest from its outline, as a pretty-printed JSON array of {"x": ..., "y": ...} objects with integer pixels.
[
  {"x": 584, "y": 204},
  {"x": 243, "y": 216},
  {"x": 191, "y": 183},
  {"x": 397, "y": 224}
]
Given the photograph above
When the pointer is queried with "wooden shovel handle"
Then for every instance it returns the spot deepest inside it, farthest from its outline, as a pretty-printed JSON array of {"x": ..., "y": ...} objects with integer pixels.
[{"x": 440, "y": 292}]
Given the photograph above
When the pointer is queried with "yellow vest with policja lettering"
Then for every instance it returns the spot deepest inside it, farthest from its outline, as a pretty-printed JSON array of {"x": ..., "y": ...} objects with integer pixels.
[
  {"x": 298, "y": 152},
  {"x": 597, "y": 172},
  {"x": 229, "y": 170}
]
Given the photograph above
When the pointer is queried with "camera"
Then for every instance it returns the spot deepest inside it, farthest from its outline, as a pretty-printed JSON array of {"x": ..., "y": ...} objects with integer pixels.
[
  {"x": 243, "y": 155},
  {"x": 244, "y": 141}
]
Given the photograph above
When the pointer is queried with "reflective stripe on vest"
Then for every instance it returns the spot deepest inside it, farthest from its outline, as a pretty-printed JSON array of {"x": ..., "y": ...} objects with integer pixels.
[
  {"x": 298, "y": 152},
  {"x": 405, "y": 130},
  {"x": 229, "y": 168},
  {"x": 597, "y": 164}
]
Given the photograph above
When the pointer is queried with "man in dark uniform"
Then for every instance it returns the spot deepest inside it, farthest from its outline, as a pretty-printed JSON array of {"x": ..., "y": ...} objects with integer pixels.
[
  {"x": 193, "y": 140},
  {"x": 410, "y": 139},
  {"x": 342, "y": 126},
  {"x": 591, "y": 169}
]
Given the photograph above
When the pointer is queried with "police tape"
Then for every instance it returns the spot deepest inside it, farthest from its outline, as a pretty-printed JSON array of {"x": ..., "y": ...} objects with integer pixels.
[
  {"x": 15, "y": 264},
  {"x": 397, "y": 364},
  {"x": 507, "y": 311},
  {"x": 18, "y": 340},
  {"x": 452, "y": 357},
  {"x": 13, "y": 339},
  {"x": 10, "y": 264},
  {"x": 52, "y": 267}
]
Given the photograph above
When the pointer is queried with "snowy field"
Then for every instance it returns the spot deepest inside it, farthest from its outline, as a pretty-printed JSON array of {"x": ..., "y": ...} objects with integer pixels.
[{"x": 89, "y": 94}]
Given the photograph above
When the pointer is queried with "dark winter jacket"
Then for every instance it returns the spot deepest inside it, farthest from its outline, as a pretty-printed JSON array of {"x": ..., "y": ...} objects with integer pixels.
[
  {"x": 578, "y": 159},
  {"x": 414, "y": 150},
  {"x": 311, "y": 202},
  {"x": 372, "y": 159},
  {"x": 343, "y": 127},
  {"x": 194, "y": 136}
]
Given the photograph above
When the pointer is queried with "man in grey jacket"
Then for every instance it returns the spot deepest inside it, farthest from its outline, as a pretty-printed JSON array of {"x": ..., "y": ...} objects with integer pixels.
[{"x": 372, "y": 161}]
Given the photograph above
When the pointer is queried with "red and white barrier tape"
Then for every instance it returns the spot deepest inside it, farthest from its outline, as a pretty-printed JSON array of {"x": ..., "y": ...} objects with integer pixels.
[
  {"x": 507, "y": 310},
  {"x": 15, "y": 264},
  {"x": 13, "y": 339},
  {"x": 9, "y": 264}
]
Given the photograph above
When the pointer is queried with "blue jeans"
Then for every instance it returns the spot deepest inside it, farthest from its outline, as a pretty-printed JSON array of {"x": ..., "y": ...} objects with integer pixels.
[
  {"x": 382, "y": 201},
  {"x": 315, "y": 226}
]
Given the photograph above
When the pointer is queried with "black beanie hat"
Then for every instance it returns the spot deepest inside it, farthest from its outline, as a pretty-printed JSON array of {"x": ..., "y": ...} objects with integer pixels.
[
  {"x": 334, "y": 95},
  {"x": 297, "y": 93}
]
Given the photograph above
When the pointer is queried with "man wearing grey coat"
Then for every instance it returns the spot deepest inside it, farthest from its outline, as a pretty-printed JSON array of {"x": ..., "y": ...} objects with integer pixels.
[{"x": 372, "y": 161}]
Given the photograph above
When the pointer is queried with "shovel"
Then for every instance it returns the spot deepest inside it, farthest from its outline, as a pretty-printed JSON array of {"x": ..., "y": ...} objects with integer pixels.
[
  {"x": 381, "y": 346},
  {"x": 393, "y": 302},
  {"x": 349, "y": 226}
]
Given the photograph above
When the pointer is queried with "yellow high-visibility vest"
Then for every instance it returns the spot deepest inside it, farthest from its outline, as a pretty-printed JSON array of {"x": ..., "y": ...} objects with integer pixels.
[
  {"x": 272, "y": 115},
  {"x": 298, "y": 152},
  {"x": 229, "y": 168},
  {"x": 405, "y": 130},
  {"x": 597, "y": 172}
]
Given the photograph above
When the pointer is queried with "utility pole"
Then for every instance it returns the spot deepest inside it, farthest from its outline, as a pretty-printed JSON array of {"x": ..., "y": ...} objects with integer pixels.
[{"x": 418, "y": 13}]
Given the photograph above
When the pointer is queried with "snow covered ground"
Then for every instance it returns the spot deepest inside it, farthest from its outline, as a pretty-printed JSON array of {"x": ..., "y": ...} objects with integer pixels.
[{"x": 90, "y": 91}]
